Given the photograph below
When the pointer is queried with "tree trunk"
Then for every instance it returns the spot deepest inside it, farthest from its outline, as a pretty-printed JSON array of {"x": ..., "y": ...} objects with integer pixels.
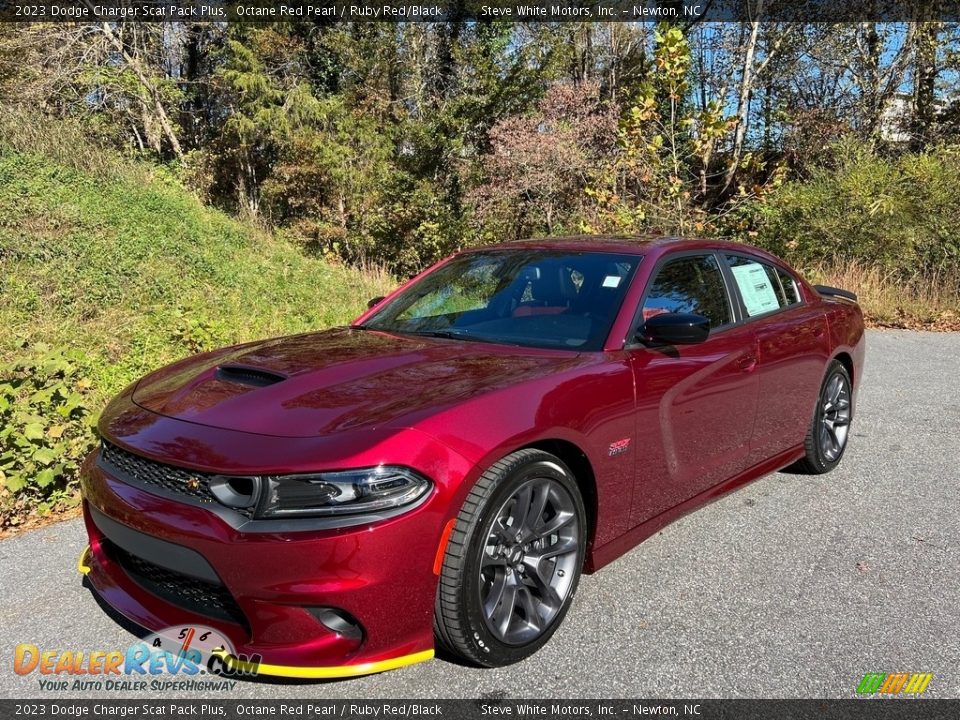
[
  {"x": 743, "y": 101},
  {"x": 158, "y": 109},
  {"x": 925, "y": 86}
]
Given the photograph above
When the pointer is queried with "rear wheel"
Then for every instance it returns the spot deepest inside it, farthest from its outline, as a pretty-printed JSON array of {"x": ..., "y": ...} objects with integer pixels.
[
  {"x": 827, "y": 436},
  {"x": 513, "y": 560}
]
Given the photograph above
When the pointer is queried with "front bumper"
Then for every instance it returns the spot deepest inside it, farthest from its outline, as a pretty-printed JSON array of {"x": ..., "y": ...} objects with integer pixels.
[
  {"x": 332, "y": 672},
  {"x": 271, "y": 584}
]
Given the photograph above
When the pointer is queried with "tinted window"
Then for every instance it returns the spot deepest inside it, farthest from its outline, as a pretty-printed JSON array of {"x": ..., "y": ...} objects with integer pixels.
[
  {"x": 759, "y": 285},
  {"x": 538, "y": 298},
  {"x": 690, "y": 285}
]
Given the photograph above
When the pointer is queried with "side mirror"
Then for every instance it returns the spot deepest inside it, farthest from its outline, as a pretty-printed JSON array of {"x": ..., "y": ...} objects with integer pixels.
[
  {"x": 373, "y": 301},
  {"x": 676, "y": 329}
]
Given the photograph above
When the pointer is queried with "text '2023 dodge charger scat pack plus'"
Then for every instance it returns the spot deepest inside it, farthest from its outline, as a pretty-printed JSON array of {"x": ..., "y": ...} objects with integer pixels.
[{"x": 440, "y": 472}]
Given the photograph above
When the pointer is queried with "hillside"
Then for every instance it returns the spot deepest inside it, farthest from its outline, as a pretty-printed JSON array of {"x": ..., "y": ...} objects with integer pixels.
[
  {"x": 134, "y": 271},
  {"x": 107, "y": 272}
]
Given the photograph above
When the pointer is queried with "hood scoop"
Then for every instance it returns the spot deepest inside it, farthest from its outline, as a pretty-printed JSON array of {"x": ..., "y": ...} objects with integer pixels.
[{"x": 242, "y": 375}]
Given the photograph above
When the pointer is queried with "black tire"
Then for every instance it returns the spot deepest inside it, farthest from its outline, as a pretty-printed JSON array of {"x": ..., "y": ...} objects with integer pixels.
[
  {"x": 481, "y": 562},
  {"x": 825, "y": 443}
]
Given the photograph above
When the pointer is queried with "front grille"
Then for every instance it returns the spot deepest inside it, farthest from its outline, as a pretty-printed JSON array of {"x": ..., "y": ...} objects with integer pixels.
[
  {"x": 156, "y": 476},
  {"x": 198, "y": 596},
  {"x": 166, "y": 477}
]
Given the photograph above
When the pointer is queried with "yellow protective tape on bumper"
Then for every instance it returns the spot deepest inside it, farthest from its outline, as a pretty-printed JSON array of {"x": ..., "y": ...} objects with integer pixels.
[
  {"x": 329, "y": 672},
  {"x": 83, "y": 566}
]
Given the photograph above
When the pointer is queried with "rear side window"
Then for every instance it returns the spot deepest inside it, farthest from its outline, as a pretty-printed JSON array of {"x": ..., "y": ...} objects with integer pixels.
[
  {"x": 789, "y": 286},
  {"x": 690, "y": 285},
  {"x": 759, "y": 285}
]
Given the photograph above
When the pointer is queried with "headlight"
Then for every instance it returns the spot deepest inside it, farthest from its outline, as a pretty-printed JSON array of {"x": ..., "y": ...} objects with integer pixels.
[{"x": 340, "y": 493}]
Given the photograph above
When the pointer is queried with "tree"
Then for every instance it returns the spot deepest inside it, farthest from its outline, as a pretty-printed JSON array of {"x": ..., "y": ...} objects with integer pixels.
[
  {"x": 540, "y": 163},
  {"x": 112, "y": 76},
  {"x": 752, "y": 72},
  {"x": 656, "y": 178},
  {"x": 151, "y": 97}
]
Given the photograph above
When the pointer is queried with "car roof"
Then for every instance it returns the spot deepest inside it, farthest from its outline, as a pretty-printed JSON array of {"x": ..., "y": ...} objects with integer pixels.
[{"x": 628, "y": 245}]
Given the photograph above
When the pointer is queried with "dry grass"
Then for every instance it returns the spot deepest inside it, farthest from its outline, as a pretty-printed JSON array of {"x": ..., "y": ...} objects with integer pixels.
[
  {"x": 65, "y": 142},
  {"x": 927, "y": 302},
  {"x": 379, "y": 276}
]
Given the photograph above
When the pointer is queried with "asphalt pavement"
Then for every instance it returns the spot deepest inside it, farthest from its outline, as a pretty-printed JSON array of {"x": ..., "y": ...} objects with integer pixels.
[{"x": 794, "y": 586}]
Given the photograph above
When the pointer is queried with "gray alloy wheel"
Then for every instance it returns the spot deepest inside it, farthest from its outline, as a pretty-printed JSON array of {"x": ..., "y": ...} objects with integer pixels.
[
  {"x": 829, "y": 429},
  {"x": 529, "y": 561},
  {"x": 513, "y": 561},
  {"x": 834, "y": 416}
]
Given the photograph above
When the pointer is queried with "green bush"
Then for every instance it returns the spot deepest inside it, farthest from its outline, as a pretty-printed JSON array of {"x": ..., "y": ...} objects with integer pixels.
[
  {"x": 45, "y": 430},
  {"x": 195, "y": 332},
  {"x": 899, "y": 214}
]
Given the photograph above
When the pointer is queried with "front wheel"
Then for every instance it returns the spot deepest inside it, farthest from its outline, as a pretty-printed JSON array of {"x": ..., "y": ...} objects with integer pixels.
[
  {"x": 513, "y": 560},
  {"x": 827, "y": 435}
]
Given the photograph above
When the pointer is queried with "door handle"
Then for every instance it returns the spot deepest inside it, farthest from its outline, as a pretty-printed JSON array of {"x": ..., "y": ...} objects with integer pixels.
[{"x": 747, "y": 363}]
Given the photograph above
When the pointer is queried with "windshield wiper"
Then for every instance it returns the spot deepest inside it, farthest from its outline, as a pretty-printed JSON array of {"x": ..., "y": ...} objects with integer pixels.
[
  {"x": 450, "y": 335},
  {"x": 422, "y": 333}
]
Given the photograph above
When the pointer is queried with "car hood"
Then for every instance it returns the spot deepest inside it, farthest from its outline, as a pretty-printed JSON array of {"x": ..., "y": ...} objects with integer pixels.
[{"x": 337, "y": 380}]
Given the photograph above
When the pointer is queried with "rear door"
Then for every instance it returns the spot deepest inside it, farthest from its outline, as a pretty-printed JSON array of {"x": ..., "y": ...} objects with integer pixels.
[
  {"x": 695, "y": 403},
  {"x": 793, "y": 349}
]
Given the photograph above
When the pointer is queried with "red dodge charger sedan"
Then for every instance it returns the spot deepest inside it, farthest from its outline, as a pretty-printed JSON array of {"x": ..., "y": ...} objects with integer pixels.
[{"x": 441, "y": 471}]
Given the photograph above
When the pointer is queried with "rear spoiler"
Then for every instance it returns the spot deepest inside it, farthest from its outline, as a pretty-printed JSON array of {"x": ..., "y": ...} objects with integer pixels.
[{"x": 835, "y": 292}]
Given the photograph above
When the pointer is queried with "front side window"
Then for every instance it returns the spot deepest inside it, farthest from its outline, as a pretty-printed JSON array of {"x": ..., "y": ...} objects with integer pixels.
[
  {"x": 690, "y": 285},
  {"x": 535, "y": 298}
]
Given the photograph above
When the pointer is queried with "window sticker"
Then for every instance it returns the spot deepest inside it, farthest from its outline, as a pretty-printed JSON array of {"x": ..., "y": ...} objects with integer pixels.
[
  {"x": 611, "y": 281},
  {"x": 755, "y": 288}
]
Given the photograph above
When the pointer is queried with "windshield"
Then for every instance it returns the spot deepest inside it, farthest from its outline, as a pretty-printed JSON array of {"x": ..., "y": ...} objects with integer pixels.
[{"x": 536, "y": 298}]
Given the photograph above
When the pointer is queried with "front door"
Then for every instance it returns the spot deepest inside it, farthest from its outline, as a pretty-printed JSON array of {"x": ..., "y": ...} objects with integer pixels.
[{"x": 696, "y": 404}]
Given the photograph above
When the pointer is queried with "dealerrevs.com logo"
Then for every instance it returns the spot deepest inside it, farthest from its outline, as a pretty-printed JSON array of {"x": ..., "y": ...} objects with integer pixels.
[
  {"x": 894, "y": 683},
  {"x": 171, "y": 659}
]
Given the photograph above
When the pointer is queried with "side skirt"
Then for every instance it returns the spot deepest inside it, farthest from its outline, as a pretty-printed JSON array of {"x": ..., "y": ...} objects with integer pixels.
[{"x": 604, "y": 555}]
